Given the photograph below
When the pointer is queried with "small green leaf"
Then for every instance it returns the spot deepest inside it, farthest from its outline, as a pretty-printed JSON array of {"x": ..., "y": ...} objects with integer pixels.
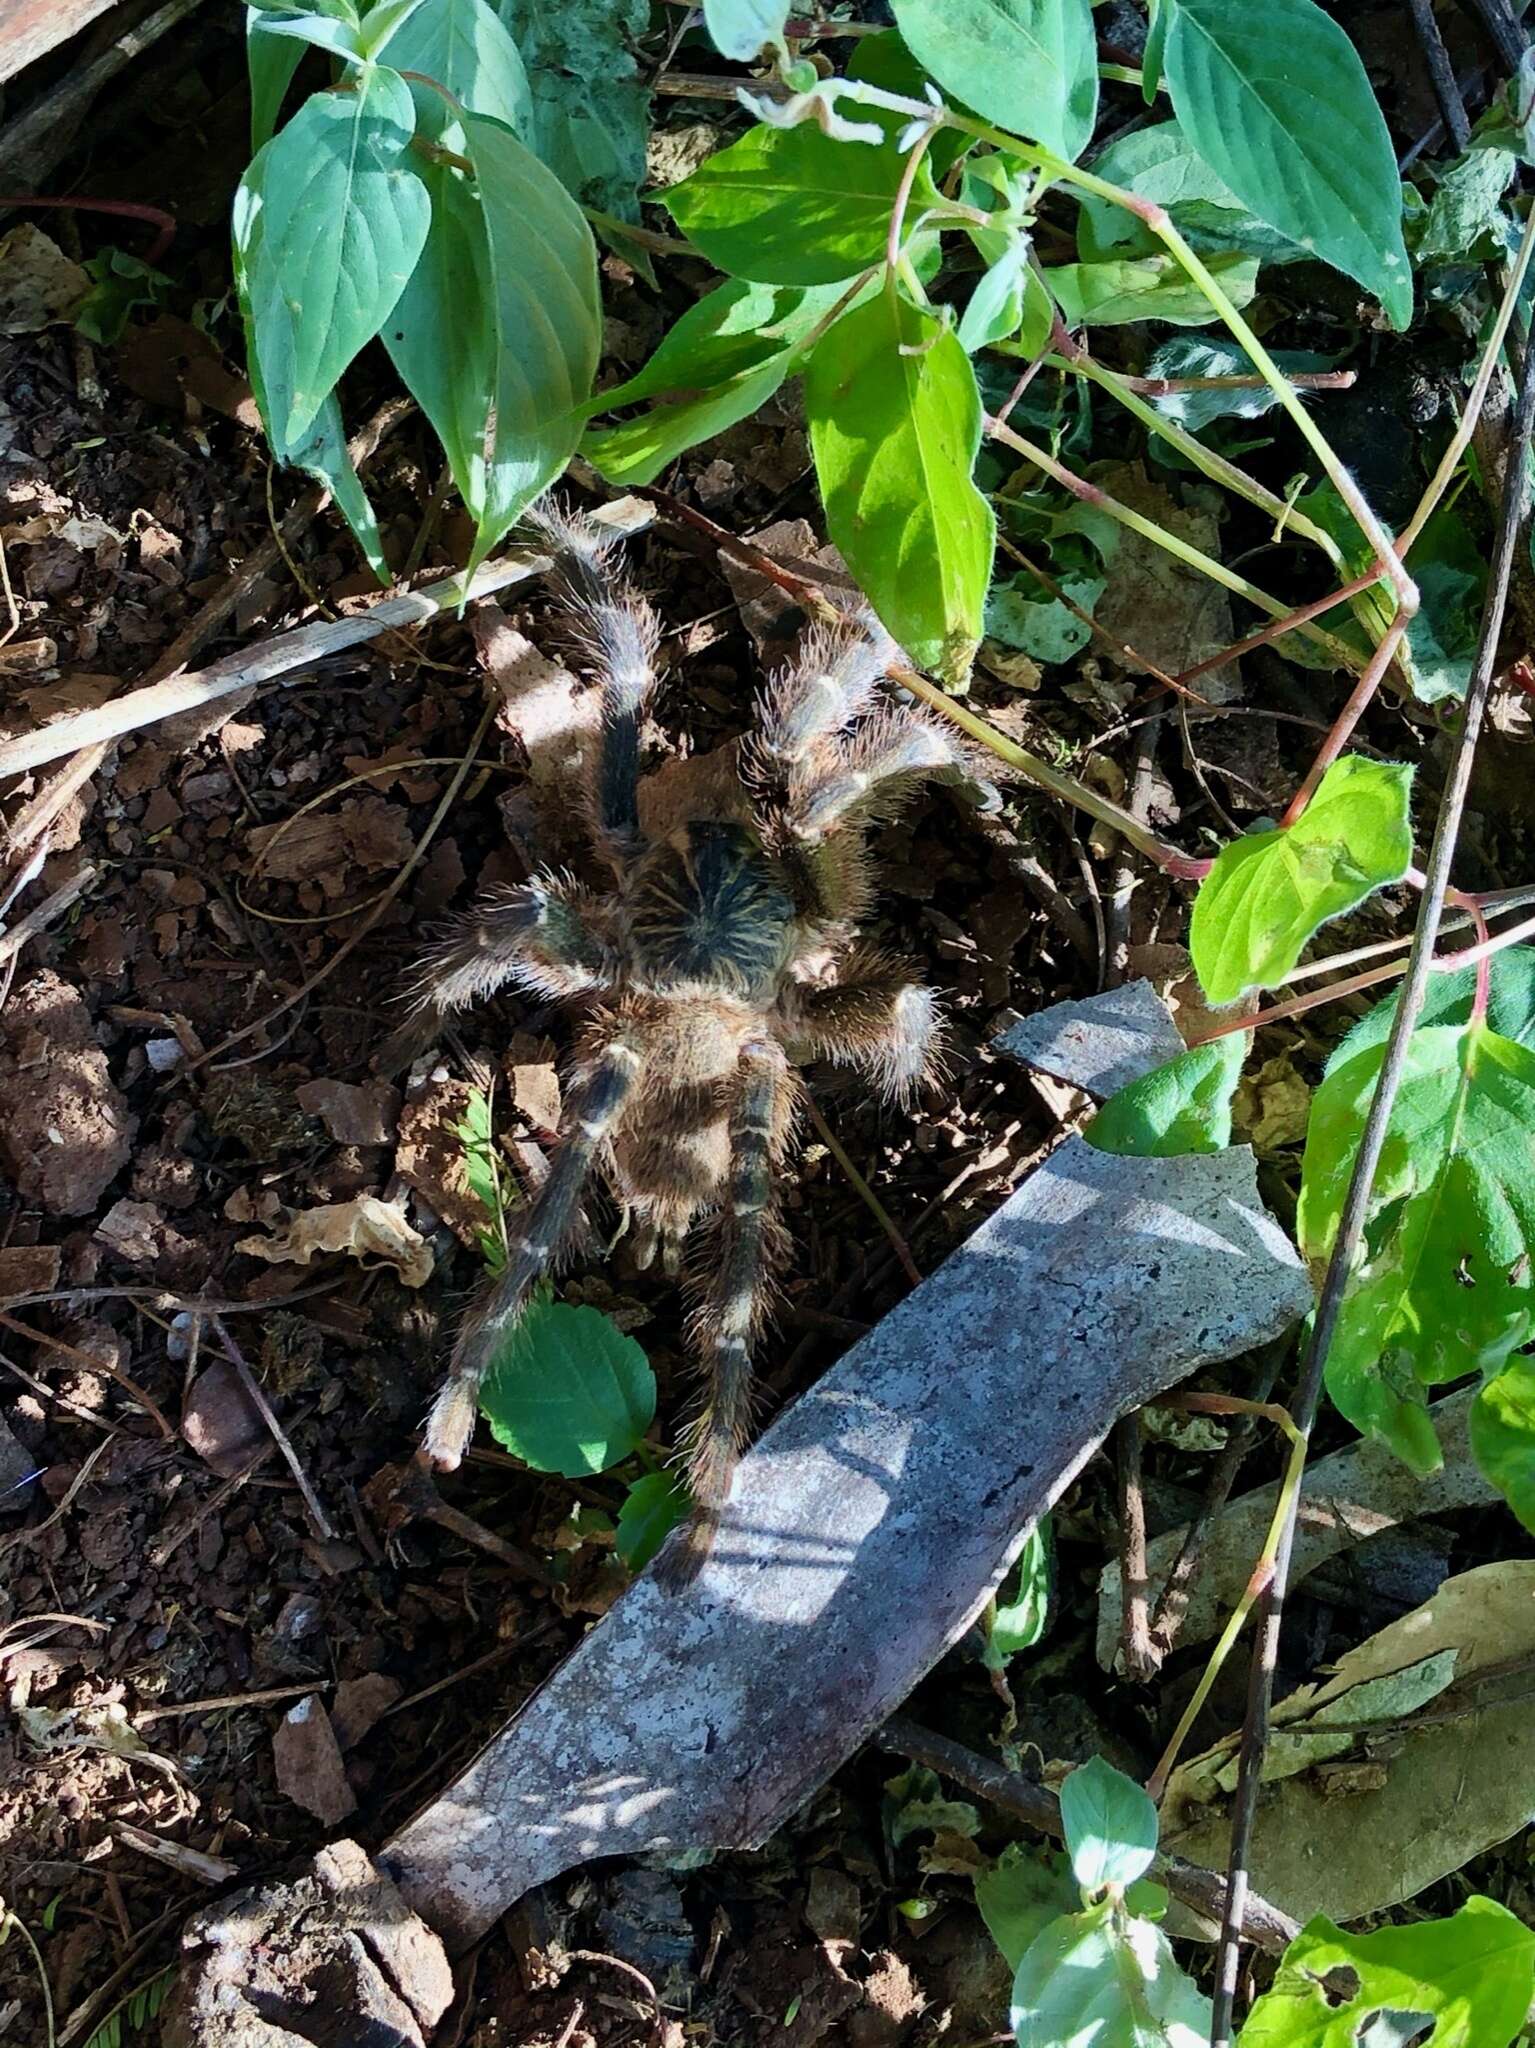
[
  {"x": 914, "y": 1804},
  {"x": 465, "y": 47},
  {"x": 1182, "y": 1107},
  {"x": 591, "y": 108},
  {"x": 1443, "y": 1283},
  {"x": 1472, "y": 1975},
  {"x": 1156, "y": 42},
  {"x": 1030, "y": 65},
  {"x": 652, "y": 1508},
  {"x": 322, "y": 31},
  {"x": 1022, "y": 1892},
  {"x": 1158, "y": 164},
  {"x": 1112, "y": 293},
  {"x": 1216, "y": 355},
  {"x": 995, "y": 309},
  {"x": 568, "y": 1391},
  {"x": 1021, "y": 1611},
  {"x": 1276, "y": 101},
  {"x": 1089, "y": 1982},
  {"x": 1022, "y": 615},
  {"x": 1466, "y": 221},
  {"x": 271, "y": 62},
  {"x": 794, "y": 206},
  {"x": 739, "y": 29},
  {"x": 1110, "y": 1825},
  {"x": 1503, "y": 1435},
  {"x": 343, "y": 219},
  {"x": 383, "y": 22},
  {"x": 1270, "y": 891},
  {"x": 895, "y": 421}
]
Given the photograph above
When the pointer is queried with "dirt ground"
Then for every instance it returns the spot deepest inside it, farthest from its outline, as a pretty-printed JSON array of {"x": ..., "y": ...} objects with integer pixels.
[{"x": 167, "y": 1093}]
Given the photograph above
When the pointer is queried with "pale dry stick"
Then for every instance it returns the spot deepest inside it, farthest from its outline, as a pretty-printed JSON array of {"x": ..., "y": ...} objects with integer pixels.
[
  {"x": 1134, "y": 1588},
  {"x": 285, "y": 655},
  {"x": 1356, "y": 1205},
  {"x": 270, "y": 1696},
  {"x": 257, "y": 1392},
  {"x": 43, "y": 914},
  {"x": 40, "y": 813}
]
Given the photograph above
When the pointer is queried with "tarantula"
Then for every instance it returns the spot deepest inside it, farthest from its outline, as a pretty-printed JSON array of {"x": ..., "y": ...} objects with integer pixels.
[{"x": 722, "y": 954}]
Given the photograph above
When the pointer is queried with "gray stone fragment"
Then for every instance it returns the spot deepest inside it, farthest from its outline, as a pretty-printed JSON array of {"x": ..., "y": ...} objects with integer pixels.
[{"x": 1099, "y": 1045}]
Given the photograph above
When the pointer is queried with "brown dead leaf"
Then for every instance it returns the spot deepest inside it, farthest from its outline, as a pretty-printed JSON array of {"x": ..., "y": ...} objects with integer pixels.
[
  {"x": 353, "y": 1114},
  {"x": 39, "y": 284},
  {"x": 430, "y": 1158},
  {"x": 308, "y": 1763},
  {"x": 169, "y": 361},
  {"x": 65, "y": 1130},
  {"x": 366, "y": 1228}
]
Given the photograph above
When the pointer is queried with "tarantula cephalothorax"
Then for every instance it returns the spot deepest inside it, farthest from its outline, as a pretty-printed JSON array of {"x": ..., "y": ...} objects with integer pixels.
[{"x": 721, "y": 954}]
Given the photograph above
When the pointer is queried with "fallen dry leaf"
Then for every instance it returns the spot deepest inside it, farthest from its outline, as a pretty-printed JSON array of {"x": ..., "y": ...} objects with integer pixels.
[
  {"x": 308, "y": 1763},
  {"x": 366, "y": 1227},
  {"x": 39, "y": 284}
]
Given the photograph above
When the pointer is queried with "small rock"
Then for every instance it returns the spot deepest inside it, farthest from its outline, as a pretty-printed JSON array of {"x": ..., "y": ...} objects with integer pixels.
[
  {"x": 132, "y": 1230},
  {"x": 221, "y": 1422},
  {"x": 308, "y": 1763},
  {"x": 360, "y": 1704},
  {"x": 28, "y": 1269},
  {"x": 353, "y": 1115},
  {"x": 65, "y": 1130}
]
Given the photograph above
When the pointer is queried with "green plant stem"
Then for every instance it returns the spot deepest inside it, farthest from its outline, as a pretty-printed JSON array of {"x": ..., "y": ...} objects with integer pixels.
[
  {"x": 1206, "y": 460},
  {"x": 648, "y": 238},
  {"x": 1262, "y": 1572},
  {"x": 1182, "y": 550},
  {"x": 915, "y": 157}
]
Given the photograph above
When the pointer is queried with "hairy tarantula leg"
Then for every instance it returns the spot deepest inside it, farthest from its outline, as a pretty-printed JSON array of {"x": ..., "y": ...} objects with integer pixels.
[
  {"x": 730, "y": 1311},
  {"x": 536, "y": 1238},
  {"x": 830, "y": 681},
  {"x": 540, "y": 935},
  {"x": 617, "y": 629},
  {"x": 895, "y": 746},
  {"x": 879, "y": 1021}
]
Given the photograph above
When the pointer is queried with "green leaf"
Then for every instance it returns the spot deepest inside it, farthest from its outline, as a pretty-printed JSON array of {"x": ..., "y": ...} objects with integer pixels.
[
  {"x": 568, "y": 1391},
  {"x": 322, "y": 31},
  {"x": 884, "y": 60},
  {"x": 740, "y": 28},
  {"x": 1270, "y": 891},
  {"x": 895, "y": 421},
  {"x": 1089, "y": 1983},
  {"x": 1030, "y": 65},
  {"x": 652, "y": 1508},
  {"x": 1147, "y": 288},
  {"x": 1472, "y": 1975},
  {"x": 1159, "y": 164},
  {"x": 465, "y": 46},
  {"x": 793, "y": 206},
  {"x": 1184, "y": 1106},
  {"x": 1022, "y": 1892},
  {"x": 343, "y": 219},
  {"x": 320, "y": 451},
  {"x": 1216, "y": 355},
  {"x": 383, "y": 22},
  {"x": 1503, "y": 1435},
  {"x": 591, "y": 108},
  {"x": 1022, "y": 615},
  {"x": 995, "y": 308},
  {"x": 1466, "y": 221},
  {"x": 1510, "y": 1005},
  {"x": 1443, "y": 1283},
  {"x": 914, "y": 1803},
  {"x": 1021, "y": 1611},
  {"x": 271, "y": 62},
  {"x": 499, "y": 331},
  {"x": 1110, "y": 1825},
  {"x": 723, "y": 360},
  {"x": 1276, "y": 101},
  {"x": 1156, "y": 42}
]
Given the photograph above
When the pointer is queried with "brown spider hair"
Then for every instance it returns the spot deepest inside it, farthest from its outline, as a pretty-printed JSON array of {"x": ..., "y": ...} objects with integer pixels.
[{"x": 721, "y": 956}]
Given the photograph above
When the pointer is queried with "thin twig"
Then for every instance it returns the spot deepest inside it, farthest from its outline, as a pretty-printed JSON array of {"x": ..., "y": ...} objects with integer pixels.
[
  {"x": 866, "y": 1195},
  {"x": 1361, "y": 1188},
  {"x": 45, "y": 913},
  {"x": 257, "y": 1392},
  {"x": 1135, "y": 1625},
  {"x": 93, "y": 1365},
  {"x": 1441, "y": 72},
  {"x": 1202, "y": 1890}
]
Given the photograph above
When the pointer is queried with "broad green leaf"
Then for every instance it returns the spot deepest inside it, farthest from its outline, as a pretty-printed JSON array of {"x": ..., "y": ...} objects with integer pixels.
[
  {"x": 465, "y": 46},
  {"x": 383, "y": 22},
  {"x": 1030, "y": 65},
  {"x": 1503, "y": 1435},
  {"x": 344, "y": 217},
  {"x": 1472, "y": 1975},
  {"x": 1087, "y": 1983},
  {"x": 1510, "y": 1005},
  {"x": 1110, "y": 1825},
  {"x": 1276, "y": 101},
  {"x": 1311, "y": 1740},
  {"x": 591, "y": 108},
  {"x": 1270, "y": 891},
  {"x": 1466, "y": 220},
  {"x": 1022, "y": 1892},
  {"x": 1018, "y": 1617},
  {"x": 321, "y": 449},
  {"x": 1443, "y": 1285},
  {"x": 723, "y": 360},
  {"x": 322, "y": 31},
  {"x": 499, "y": 331},
  {"x": 568, "y": 1391},
  {"x": 793, "y": 206},
  {"x": 1184, "y": 1106},
  {"x": 895, "y": 421},
  {"x": 740, "y": 28},
  {"x": 1111, "y": 293},
  {"x": 652, "y": 1508},
  {"x": 271, "y": 61},
  {"x": 1216, "y": 355},
  {"x": 1160, "y": 165}
]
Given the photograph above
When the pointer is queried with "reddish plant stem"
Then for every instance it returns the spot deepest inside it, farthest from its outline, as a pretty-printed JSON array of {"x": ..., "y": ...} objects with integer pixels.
[
  {"x": 1303, "y": 380},
  {"x": 1277, "y": 628},
  {"x": 1483, "y": 969},
  {"x": 127, "y": 209},
  {"x": 1343, "y": 726}
]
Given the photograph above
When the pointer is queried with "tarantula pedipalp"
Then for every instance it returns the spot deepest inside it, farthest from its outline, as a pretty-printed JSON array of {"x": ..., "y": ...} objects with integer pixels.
[{"x": 723, "y": 955}]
